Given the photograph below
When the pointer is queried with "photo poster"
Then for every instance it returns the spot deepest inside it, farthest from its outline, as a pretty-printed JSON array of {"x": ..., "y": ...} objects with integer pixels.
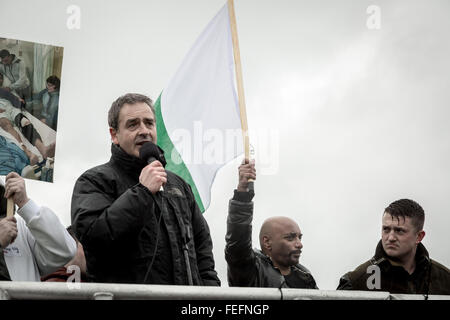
[{"x": 30, "y": 81}]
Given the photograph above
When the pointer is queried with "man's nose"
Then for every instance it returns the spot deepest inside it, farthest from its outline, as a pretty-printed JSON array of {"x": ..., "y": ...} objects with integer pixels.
[
  {"x": 298, "y": 244},
  {"x": 143, "y": 129},
  {"x": 391, "y": 236}
]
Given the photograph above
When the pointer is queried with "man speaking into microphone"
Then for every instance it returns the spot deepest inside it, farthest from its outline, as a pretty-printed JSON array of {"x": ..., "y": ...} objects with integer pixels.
[{"x": 137, "y": 222}]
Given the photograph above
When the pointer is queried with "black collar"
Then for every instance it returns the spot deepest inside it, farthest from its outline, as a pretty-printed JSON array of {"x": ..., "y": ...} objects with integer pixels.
[
  {"x": 130, "y": 163},
  {"x": 126, "y": 161}
]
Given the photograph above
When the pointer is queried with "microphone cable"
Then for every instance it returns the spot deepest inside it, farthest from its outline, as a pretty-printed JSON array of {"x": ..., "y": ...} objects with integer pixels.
[{"x": 157, "y": 239}]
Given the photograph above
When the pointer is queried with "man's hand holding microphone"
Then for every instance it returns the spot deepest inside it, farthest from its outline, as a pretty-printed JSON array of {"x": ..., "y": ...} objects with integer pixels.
[{"x": 153, "y": 176}]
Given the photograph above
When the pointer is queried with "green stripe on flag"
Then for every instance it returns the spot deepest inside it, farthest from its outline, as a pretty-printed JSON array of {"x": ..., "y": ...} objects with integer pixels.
[{"x": 171, "y": 152}]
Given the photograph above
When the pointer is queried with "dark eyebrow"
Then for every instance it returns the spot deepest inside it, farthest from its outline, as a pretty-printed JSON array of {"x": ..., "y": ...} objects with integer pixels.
[
  {"x": 132, "y": 120},
  {"x": 396, "y": 228},
  {"x": 293, "y": 234}
]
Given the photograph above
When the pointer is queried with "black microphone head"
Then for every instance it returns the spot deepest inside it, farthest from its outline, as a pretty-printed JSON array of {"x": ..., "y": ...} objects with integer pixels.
[{"x": 150, "y": 150}]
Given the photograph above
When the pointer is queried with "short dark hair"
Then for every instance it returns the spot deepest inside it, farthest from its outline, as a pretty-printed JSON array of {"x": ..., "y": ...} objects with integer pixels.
[
  {"x": 4, "y": 53},
  {"x": 54, "y": 80},
  {"x": 129, "y": 98},
  {"x": 407, "y": 208}
]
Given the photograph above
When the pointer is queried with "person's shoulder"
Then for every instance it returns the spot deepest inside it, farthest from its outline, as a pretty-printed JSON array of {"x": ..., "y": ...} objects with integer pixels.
[
  {"x": 302, "y": 268},
  {"x": 362, "y": 268},
  {"x": 261, "y": 258},
  {"x": 20, "y": 222},
  {"x": 360, "y": 271},
  {"x": 353, "y": 280},
  {"x": 258, "y": 253},
  {"x": 440, "y": 267},
  {"x": 99, "y": 171},
  {"x": 98, "y": 168},
  {"x": 54, "y": 94}
]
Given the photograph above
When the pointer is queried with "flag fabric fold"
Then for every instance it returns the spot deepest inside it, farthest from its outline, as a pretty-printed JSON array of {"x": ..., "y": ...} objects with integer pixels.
[{"x": 198, "y": 119}]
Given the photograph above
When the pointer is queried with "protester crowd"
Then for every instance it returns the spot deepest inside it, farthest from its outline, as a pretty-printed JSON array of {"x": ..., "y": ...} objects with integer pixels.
[{"x": 133, "y": 221}]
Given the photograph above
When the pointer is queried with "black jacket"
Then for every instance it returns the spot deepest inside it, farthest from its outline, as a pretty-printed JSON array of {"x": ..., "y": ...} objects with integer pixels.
[
  {"x": 118, "y": 222},
  {"x": 429, "y": 277},
  {"x": 249, "y": 267}
]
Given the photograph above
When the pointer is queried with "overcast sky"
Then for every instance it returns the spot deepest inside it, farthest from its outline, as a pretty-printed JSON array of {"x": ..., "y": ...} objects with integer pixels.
[{"x": 344, "y": 119}]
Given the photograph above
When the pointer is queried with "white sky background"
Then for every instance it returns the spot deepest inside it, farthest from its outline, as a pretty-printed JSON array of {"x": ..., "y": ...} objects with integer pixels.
[{"x": 345, "y": 119}]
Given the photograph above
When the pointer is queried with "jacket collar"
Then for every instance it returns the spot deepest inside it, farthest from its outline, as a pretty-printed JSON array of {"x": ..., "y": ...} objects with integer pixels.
[
  {"x": 129, "y": 162},
  {"x": 381, "y": 258},
  {"x": 263, "y": 256},
  {"x": 266, "y": 258},
  {"x": 126, "y": 161}
]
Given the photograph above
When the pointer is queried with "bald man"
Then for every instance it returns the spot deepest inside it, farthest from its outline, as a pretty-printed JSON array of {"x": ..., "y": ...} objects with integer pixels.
[{"x": 276, "y": 264}]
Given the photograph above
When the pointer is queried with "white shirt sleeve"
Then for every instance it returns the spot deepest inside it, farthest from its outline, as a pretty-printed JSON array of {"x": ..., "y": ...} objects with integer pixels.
[{"x": 52, "y": 246}]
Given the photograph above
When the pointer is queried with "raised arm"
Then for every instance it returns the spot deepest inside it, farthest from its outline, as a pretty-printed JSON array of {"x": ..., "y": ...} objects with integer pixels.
[
  {"x": 51, "y": 244},
  {"x": 242, "y": 269}
]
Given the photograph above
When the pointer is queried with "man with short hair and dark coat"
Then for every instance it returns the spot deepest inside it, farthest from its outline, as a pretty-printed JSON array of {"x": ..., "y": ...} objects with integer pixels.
[
  {"x": 404, "y": 265},
  {"x": 276, "y": 265},
  {"x": 130, "y": 230}
]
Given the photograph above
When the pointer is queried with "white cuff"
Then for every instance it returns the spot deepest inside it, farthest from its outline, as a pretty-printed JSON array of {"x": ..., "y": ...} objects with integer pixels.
[{"x": 29, "y": 210}]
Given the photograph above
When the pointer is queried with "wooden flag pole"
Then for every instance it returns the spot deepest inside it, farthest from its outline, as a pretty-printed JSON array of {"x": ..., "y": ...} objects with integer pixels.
[
  {"x": 10, "y": 207},
  {"x": 240, "y": 83}
]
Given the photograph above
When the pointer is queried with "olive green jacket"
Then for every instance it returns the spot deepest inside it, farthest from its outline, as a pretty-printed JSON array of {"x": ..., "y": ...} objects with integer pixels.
[{"x": 429, "y": 276}]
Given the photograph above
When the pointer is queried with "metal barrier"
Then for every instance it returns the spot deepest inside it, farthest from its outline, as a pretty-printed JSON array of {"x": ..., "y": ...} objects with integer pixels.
[{"x": 112, "y": 291}]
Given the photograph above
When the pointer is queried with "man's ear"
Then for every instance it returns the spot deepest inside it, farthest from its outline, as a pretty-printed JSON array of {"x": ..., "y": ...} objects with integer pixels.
[
  {"x": 420, "y": 236},
  {"x": 113, "y": 134},
  {"x": 267, "y": 243}
]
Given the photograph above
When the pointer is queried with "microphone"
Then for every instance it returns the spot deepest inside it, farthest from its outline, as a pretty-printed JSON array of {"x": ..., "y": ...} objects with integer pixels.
[{"x": 150, "y": 152}]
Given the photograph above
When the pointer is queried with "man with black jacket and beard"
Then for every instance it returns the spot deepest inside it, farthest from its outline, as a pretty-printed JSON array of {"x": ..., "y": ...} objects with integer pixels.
[
  {"x": 132, "y": 230},
  {"x": 276, "y": 264}
]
